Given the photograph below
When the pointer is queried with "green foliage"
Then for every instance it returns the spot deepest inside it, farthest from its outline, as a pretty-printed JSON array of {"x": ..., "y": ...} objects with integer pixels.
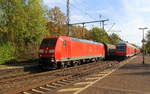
[
  {"x": 56, "y": 16},
  {"x": 23, "y": 22},
  {"x": 114, "y": 38},
  {"x": 148, "y": 36},
  {"x": 99, "y": 35},
  {"x": 79, "y": 32},
  {"x": 56, "y": 30},
  {"x": 7, "y": 52},
  {"x": 147, "y": 45},
  {"x": 56, "y": 25}
]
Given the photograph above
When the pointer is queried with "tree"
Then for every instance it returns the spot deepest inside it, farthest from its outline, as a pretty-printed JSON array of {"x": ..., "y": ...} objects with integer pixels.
[
  {"x": 56, "y": 30},
  {"x": 147, "y": 45},
  {"x": 56, "y": 22},
  {"x": 79, "y": 32},
  {"x": 56, "y": 16},
  {"x": 99, "y": 35},
  {"x": 148, "y": 35},
  {"x": 114, "y": 38},
  {"x": 23, "y": 22}
]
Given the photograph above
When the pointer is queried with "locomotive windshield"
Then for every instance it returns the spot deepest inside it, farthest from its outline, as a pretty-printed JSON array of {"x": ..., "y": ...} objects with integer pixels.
[
  {"x": 49, "y": 42},
  {"x": 121, "y": 48}
]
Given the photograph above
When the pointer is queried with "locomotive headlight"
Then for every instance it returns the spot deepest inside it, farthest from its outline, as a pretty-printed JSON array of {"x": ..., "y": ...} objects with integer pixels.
[
  {"x": 51, "y": 51},
  {"x": 52, "y": 60},
  {"x": 41, "y": 51}
]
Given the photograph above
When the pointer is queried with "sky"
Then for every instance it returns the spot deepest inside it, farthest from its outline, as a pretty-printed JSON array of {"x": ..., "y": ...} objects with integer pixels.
[{"x": 125, "y": 16}]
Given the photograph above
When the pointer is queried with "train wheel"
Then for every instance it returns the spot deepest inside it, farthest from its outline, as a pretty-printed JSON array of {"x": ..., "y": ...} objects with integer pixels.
[
  {"x": 61, "y": 65},
  {"x": 72, "y": 63},
  {"x": 64, "y": 64},
  {"x": 79, "y": 62},
  {"x": 83, "y": 61},
  {"x": 75, "y": 63},
  {"x": 96, "y": 60},
  {"x": 55, "y": 65}
]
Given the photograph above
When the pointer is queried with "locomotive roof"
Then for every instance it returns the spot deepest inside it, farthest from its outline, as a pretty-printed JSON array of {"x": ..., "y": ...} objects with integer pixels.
[
  {"x": 83, "y": 40},
  {"x": 75, "y": 39}
]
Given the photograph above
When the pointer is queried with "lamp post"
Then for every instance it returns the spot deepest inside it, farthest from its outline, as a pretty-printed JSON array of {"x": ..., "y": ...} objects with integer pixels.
[{"x": 143, "y": 40}]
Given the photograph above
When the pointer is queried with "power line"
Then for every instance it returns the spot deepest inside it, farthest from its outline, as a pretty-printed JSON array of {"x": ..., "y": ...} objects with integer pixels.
[
  {"x": 83, "y": 12},
  {"x": 84, "y": 4},
  {"x": 101, "y": 23},
  {"x": 111, "y": 27},
  {"x": 68, "y": 16},
  {"x": 90, "y": 22},
  {"x": 83, "y": 23}
]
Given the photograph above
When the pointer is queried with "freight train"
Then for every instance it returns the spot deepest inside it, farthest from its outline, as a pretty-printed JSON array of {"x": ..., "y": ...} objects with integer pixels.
[{"x": 63, "y": 51}]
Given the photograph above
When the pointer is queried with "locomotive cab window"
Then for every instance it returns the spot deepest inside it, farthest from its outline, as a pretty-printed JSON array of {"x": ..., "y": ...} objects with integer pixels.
[
  {"x": 49, "y": 42},
  {"x": 64, "y": 43}
]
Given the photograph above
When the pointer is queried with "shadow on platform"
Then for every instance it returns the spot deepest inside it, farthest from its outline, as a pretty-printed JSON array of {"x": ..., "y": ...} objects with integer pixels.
[
  {"x": 136, "y": 66},
  {"x": 137, "y": 73},
  {"x": 143, "y": 67}
]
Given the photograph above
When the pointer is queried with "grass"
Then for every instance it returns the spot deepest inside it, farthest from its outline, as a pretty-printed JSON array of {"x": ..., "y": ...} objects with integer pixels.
[{"x": 6, "y": 52}]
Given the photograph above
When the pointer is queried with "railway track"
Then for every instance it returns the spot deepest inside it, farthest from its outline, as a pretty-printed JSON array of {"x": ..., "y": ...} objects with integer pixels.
[
  {"x": 59, "y": 84},
  {"x": 18, "y": 71},
  {"x": 50, "y": 81},
  {"x": 55, "y": 77},
  {"x": 28, "y": 75},
  {"x": 53, "y": 85}
]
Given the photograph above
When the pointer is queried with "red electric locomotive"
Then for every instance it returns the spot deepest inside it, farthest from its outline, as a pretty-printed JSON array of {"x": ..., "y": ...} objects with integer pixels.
[
  {"x": 125, "y": 50},
  {"x": 57, "y": 52}
]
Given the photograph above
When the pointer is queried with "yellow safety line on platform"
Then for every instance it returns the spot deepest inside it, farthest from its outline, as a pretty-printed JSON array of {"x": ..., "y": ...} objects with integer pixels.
[
  {"x": 82, "y": 83},
  {"x": 92, "y": 78},
  {"x": 69, "y": 89},
  {"x": 123, "y": 63},
  {"x": 26, "y": 93},
  {"x": 91, "y": 84}
]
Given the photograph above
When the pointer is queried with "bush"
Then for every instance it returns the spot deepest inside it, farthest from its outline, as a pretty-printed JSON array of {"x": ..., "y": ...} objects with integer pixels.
[{"x": 6, "y": 52}]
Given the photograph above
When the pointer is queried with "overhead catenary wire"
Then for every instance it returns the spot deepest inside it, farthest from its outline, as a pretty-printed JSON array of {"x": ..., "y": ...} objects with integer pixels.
[
  {"x": 82, "y": 11},
  {"x": 111, "y": 27},
  {"x": 87, "y": 14}
]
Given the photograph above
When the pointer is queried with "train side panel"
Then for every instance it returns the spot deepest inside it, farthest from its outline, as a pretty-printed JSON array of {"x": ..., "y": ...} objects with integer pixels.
[{"x": 76, "y": 50}]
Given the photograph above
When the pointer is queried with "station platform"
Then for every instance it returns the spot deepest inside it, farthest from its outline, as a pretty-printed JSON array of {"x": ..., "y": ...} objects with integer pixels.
[{"x": 131, "y": 78}]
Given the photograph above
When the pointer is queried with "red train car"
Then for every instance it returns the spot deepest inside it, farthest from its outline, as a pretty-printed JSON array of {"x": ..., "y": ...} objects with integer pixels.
[
  {"x": 125, "y": 50},
  {"x": 62, "y": 51},
  {"x": 137, "y": 50}
]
